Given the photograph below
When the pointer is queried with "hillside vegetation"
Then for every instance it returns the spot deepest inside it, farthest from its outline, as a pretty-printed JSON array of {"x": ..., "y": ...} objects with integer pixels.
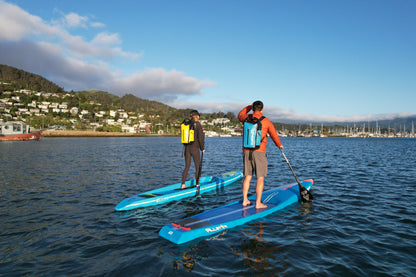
[{"x": 19, "y": 79}]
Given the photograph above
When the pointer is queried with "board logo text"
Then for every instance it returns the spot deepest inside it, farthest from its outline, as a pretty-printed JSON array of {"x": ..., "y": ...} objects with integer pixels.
[{"x": 215, "y": 229}]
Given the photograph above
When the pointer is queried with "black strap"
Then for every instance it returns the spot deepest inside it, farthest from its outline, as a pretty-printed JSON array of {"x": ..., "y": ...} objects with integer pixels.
[
  {"x": 250, "y": 155},
  {"x": 253, "y": 119}
]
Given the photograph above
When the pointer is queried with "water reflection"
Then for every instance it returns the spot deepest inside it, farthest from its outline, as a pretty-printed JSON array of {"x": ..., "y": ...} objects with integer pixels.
[
  {"x": 192, "y": 255},
  {"x": 255, "y": 251},
  {"x": 189, "y": 259}
]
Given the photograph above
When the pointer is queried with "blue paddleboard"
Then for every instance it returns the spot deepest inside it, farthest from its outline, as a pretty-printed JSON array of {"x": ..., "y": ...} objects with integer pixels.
[
  {"x": 173, "y": 192},
  {"x": 231, "y": 215}
]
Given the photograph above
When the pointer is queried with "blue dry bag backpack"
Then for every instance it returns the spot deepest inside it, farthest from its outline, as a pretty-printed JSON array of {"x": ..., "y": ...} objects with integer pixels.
[{"x": 252, "y": 132}]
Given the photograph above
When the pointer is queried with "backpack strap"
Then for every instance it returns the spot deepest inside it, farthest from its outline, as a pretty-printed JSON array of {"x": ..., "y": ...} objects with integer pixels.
[
  {"x": 251, "y": 118},
  {"x": 260, "y": 119}
]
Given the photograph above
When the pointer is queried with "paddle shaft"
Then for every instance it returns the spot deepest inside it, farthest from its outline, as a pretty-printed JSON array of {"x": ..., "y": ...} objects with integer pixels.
[
  {"x": 304, "y": 197},
  {"x": 199, "y": 173},
  {"x": 288, "y": 163}
]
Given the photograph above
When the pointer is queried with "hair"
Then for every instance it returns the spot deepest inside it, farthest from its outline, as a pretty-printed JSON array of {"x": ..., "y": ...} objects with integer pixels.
[
  {"x": 194, "y": 112},
  {"x": 257, "y": 106}
]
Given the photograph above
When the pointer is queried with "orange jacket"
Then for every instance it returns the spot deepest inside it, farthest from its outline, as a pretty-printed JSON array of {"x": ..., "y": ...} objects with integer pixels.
[{"x": 267, "y": 128}]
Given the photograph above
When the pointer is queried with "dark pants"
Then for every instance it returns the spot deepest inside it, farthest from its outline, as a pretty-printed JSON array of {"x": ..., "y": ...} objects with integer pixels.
[{"x": 194, "y": 153}]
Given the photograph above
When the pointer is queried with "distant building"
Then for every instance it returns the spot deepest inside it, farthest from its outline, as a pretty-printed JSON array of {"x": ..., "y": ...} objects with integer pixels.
[
  {"x": 128, "y": 129},
  {"x": 74, "y": 110},
  {"x": 220, "y": 121}
]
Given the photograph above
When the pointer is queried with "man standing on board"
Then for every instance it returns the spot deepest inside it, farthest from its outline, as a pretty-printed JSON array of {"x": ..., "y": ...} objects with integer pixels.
[
  {"x": 255, "y": 161},
  {"x": 192, "y": 149}
]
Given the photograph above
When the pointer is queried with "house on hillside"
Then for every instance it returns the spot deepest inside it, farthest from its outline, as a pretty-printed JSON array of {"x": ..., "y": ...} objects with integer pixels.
[
  {"x": 74, "y": 110},
  {"x": 128, "y": 129}
]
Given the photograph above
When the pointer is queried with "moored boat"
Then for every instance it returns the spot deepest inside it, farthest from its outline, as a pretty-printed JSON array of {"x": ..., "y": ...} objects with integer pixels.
[{"x": 12, "y": 131}]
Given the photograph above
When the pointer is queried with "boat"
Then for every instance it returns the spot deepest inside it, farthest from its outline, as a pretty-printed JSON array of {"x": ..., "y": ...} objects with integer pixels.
[
  {"x": 174, "y": 192},
  {"x": 12, "y": 130},
  {"x": 229, "y": 216}
]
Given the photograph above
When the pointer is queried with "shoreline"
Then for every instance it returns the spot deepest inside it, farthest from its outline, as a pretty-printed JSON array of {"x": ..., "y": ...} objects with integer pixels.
[{"x": 78, "y": 133}]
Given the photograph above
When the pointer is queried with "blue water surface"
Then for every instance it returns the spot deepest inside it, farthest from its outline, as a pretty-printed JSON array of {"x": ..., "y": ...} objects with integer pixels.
[{"x": 57, "y": 199}]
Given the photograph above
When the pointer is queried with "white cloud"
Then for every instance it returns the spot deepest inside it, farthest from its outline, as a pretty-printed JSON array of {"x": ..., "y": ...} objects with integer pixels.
[
  {"x": 105, "y": 38},
  {"x": 291, "y": 116},
  {"x": 73, "y": 20},
  {"x": 17, "y": 24},
  {"x": 97, "y": 24},
  {"x": 47, "y": 58},
  {"x": 277, "y": 114},
  {"x": 160, "y": 84},
  {"x": 49, "y": 49}
]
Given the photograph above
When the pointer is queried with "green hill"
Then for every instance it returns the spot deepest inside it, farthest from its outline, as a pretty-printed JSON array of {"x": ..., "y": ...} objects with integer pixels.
[
  {"x": 132, "y": 103},
  {"x": 14, "y": 79},
  {"x": 98, "y": 96}
]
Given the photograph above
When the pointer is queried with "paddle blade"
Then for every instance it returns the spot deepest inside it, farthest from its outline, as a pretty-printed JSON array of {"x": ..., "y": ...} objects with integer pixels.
[
  {"x": 305, "y": 194},
  {"x": 198, "y": 191}
]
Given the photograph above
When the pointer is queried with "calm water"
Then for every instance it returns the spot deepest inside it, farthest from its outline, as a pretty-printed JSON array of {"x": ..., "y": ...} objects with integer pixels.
[{"x": 57, "y": 199}]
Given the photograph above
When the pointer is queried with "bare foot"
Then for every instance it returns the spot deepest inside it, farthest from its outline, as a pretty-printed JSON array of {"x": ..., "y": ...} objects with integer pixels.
[
  {"x": 183, "y": 186},
  {"x": 246, "y": 203},
  {"x": 261, "y": 206}
]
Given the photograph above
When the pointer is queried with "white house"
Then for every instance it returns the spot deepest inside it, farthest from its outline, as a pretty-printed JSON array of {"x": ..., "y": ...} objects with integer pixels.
[
  {"x": 54, "y": 105},
  {"x": 124, "y": 114},
  {"x": 43, "y": 106},
  {"x": 220, "y": 121},
  {"x": 128, "y": 129},
  {"x": 74, "y": 110},
  {"x": 109, "y": 121}
]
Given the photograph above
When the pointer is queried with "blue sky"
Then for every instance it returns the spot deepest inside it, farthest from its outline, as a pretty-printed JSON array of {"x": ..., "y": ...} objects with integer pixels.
[{"x": 317, "y": 60}]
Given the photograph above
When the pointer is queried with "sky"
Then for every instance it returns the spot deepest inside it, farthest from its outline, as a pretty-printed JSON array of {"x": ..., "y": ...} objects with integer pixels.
[{"x": 307, "y": 60}]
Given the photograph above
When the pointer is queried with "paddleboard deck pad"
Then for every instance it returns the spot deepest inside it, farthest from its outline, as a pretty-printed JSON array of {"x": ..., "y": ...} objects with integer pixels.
[
  {"x": 174, "y": 192},
  {"x": 231, "y": 215}
]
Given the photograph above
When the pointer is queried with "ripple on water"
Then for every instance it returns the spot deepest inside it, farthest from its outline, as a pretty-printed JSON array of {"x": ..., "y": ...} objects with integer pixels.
[{"x": 58, "y": 198}]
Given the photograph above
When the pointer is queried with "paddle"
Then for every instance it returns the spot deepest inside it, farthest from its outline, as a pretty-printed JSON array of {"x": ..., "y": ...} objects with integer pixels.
[
  {"x": 305, "y": 194},
  {"x": 199, "y": 175}
]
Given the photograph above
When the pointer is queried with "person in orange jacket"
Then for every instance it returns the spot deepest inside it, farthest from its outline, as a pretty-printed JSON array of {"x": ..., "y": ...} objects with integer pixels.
[{"x": 255, "y": 161}]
